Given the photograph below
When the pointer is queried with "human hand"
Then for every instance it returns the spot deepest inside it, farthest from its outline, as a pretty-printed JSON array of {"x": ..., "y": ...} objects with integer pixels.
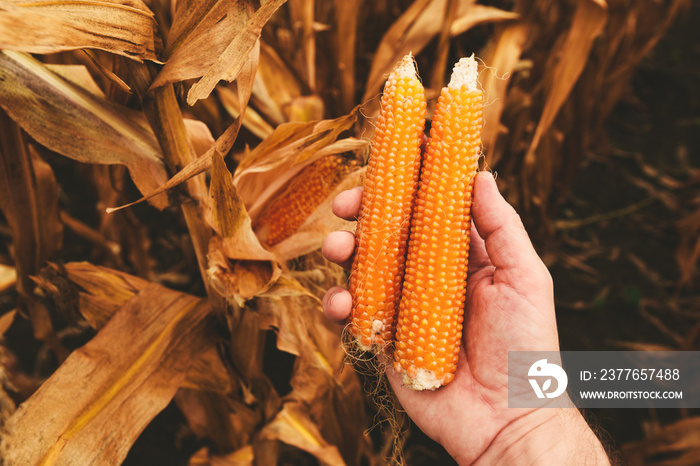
[{"x": 510, "y": 307}]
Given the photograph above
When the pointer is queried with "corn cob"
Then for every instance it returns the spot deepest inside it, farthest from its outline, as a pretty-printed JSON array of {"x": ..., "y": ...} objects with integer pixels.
[
  {"x": 290, "y": 208},
  {"x": 385, "y": 211},
  {"x": 431, "y": 310}
]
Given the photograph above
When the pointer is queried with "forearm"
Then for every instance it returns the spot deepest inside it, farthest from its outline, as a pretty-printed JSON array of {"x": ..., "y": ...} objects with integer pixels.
[{"x": 546, "y": 436}]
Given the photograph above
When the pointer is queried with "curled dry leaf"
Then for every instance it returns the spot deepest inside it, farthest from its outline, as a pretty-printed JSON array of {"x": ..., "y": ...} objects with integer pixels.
[
  {"x": 76, "y": 123},
  {"x": 293, "y": 426},
  {"x": 239, "y": 267},
  {"x": 46, "y": 26},
  {"x": 201, "y": 31},
  {"x": 98, "y": 409},
  {"x": 233, "y": 58}
]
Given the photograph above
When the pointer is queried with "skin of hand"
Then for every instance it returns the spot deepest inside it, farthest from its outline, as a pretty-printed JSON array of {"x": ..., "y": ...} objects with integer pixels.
[{"x": 510, "y": 307}]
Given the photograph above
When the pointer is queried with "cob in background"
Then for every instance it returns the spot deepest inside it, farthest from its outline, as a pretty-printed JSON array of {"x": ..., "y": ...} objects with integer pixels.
[
  {"x": 288, "y": 211},
  {"x": 432, "y": 304},
  {"x": 385, "y": 211}
]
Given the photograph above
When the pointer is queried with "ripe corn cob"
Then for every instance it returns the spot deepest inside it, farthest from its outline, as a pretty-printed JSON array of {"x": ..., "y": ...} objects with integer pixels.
[
  {"x": 286, "y": 213},
  {"x": 430, "y": 318},
  {"x": 385, "y": 212}
]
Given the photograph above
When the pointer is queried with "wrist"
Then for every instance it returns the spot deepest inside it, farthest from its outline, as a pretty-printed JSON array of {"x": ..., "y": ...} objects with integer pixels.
[{"x": 546, "y": 436}]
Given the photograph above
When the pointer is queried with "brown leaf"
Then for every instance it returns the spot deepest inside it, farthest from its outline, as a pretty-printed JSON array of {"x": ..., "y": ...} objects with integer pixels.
[
  {"x": 46, "y": 26},
  {"x": 200, "y": 33},
  {"x": 231, "y": 61},
  {"x": 276, "y": 86},
  {"x": 293, "y": 427},
  {"x": 223, "y": 144},
  {"x": 588, "y": 22},
  {"x": 242, "y": 457},
  {"x": 228, "y": 423},
  {"x": 29, "y": 200},
  {"x": 502, "y": 55},
  {"x": 106, "y": 392},
  {"x": 8, "y": 277},
  {"x": 416, "y": 27},
  {"x": 75, "y": 123},
  {"x": 251, "y": 120},
  {"x": 676, "y": 444},
  {"x": 104, "y": 291},
  {"x": 239, "y": 267}
]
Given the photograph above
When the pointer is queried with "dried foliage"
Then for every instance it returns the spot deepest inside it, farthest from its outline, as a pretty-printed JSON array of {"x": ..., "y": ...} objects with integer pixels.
[{"x": 212, "y": 112}]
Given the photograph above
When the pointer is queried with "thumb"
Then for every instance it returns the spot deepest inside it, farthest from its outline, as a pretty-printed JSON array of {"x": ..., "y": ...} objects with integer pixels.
[{"x": 507, "y": 243}]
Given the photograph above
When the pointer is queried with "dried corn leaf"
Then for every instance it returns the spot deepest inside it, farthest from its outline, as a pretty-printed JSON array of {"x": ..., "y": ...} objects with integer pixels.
[
  {"x": 241, "y": 457},
  {"x": 233, "y": 59},
  {"x": 205, "y": 414},
  {"x": 75, "y": 123},
  {"x": 29, "y": 200},
  {"x": 251, "y": 119},
  {"x": 281, "y": 156},
  {"x": 677, "y": 444},
  {"x": 6, "y": 321},
  {"x": 294, "y": 427},
  {"x": 221, "y": 146},
  {"x": 275, "y": 87},
  {"x": 416, "y": 27},
  {"x": 587, "y": 24},
  {"x": 46, "y": 26},
  {"x": 239, "y": 267},
  {"x": 8, "y": 277},
  {"x": 501, "y": 57},
  {"x": 688, "y": 250},
  {"x": 98, "y": 409},
  {"x": 104, "y": 291},
  {"x": 200, "y": 33}
]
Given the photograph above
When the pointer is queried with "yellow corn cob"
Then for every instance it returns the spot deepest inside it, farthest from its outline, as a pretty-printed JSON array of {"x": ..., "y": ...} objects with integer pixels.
[
  {"x": 286, "y": 213},
  {"x": 385, "y": 212},
  {"x": 430, "y": 318}
]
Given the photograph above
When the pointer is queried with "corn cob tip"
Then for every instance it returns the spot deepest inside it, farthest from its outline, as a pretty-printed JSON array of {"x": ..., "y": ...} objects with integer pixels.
[
  {"x": 464, "y": 74},
  {"x": 406, "y": 68}
]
